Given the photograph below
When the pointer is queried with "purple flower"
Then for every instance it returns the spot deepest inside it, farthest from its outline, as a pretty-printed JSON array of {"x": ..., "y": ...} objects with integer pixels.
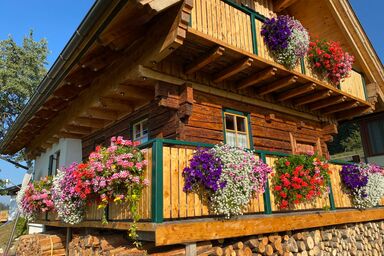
[{"x": 204, "y": 169}]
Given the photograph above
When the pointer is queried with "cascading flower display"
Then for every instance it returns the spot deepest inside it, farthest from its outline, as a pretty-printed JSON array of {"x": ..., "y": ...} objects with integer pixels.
[
  {"x": 299, "y": 179},
  {"x": 230, "y": 176},
  {"x": 117, "y": 175},
  {"x": 36, "y": 198},
  {"x": 69, "y": 195},
  {"x": 286, "y": 39},
  {"x": 329, "y": 61},
  {"x": 364, "y": 182}
]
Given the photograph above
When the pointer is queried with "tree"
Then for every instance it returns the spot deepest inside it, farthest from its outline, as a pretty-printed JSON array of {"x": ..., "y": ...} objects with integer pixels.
[
  {"x": 21, "y": 70},
  {"x": 348, "y": 139}
]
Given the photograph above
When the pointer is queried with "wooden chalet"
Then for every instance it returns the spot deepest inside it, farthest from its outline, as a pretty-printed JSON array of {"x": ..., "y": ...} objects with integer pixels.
[{"x": 179, "y": 74}]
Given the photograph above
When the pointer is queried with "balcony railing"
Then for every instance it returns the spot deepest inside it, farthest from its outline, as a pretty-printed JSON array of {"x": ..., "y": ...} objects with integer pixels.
[
  {"x": 239, "y": 26},
  {"x": 165, "y": 199}
]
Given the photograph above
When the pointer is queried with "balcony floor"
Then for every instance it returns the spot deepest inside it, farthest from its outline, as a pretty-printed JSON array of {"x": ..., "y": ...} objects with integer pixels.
[{"x": 192, "y": 230}]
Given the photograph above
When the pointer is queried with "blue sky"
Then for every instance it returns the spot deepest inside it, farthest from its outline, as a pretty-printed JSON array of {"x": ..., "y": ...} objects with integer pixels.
[{"x": 57, "y": 20}]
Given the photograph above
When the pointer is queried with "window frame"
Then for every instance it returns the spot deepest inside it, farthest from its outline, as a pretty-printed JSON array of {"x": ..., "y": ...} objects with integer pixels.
[
  {"x": 248, "y": 126},
  {"x": 133, "y": 130}
]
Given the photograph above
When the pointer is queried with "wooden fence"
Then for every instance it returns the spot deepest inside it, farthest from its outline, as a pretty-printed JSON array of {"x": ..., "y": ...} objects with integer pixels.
[{"x": 238, "y": 25}]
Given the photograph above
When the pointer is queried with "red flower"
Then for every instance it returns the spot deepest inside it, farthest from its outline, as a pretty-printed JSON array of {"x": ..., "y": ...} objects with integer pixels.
[
  {"x": 287, "y": 163},
  {"x": 284, "y": 204},
  {"x": 277, "y": 188},
  {"x": 283, "y": 194}
]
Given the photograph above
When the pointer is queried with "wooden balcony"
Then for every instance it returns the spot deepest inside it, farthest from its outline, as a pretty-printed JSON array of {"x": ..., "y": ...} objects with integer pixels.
[
  {"x": 171, "y": 216},
  {"x": 224, "y": 45}
]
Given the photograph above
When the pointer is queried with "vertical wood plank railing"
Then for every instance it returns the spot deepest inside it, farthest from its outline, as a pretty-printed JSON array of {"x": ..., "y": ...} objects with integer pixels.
[
  {"x": 239, "y": 26},
  {"x": 165, "y": 199}
]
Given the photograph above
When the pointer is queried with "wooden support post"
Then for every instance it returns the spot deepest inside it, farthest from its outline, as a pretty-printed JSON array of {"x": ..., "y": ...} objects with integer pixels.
[
  {"x": 68, "y": 239},
  {"x": 257, "y": 78},
  {"x": 277, "y": 85},
  {"x": 296, "y": 92},
  {"x": 190, "y": 249},
  {"x": 313, "y": 97},
  {"x": 327, "y": 102},
  {"x": 233, "y": 70},
  {"x": 266, "y": 195},
  {"x": 205, "y": 60},
  {"x": 157, "y": 181}
]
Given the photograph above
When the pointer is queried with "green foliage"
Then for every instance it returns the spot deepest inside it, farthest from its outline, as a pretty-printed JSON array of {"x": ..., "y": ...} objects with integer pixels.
[
  {"x": 21, "y": 70},
  {"x": 348, "y": 139}
]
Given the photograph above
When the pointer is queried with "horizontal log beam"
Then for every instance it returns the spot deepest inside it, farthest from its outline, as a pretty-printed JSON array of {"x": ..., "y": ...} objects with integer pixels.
[
  {"x": 101, "y": 113},
  {"x": 205, "y": 60},
  {"x": 349, "y": 114},
  {"x": 77, "y": 129},
  {"x": 313, "y": 97},
  {"x": 257, "y": 78},
  {"x": 327, "y": 102},
  {"x": 233, "y": 70},
  {"x": 296, "y": 92},
  {"x": 89, "y": 122},
  {"x": 277, "y": 85},
  {"x": 340, "y": 107},
  {"x": 280, "y": 5}
]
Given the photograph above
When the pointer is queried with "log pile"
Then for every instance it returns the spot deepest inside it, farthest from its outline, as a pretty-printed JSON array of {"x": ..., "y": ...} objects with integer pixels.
[
  {"x": 41, "y": 245},
  {"x": 355, "y": 239},
  {"x": 102, "y": 245}
]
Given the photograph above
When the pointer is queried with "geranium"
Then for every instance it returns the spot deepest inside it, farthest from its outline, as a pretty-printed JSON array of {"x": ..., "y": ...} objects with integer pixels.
[
  {"x": 117, "y": 175},
  {"x": 286, "y": 39},
  {"x": 230, "y": 176},
  {"x": 329, "y": 61},
  {"x": 68, "y": 193},
  {"x": 364, "y": 182},
  {"x": 36, "y": 198},
  {"x": 299, "y": 179}
]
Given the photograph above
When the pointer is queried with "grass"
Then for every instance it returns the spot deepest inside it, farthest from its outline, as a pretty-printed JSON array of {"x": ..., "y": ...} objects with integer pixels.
[{"x": 6, "y": 229}]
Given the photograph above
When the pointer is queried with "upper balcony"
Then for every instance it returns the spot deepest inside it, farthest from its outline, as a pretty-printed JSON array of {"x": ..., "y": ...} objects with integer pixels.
[{"x": 223, "y": 42}]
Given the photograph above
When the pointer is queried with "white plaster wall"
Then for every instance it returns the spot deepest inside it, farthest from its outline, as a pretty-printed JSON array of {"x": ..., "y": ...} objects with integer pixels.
[
  {"x": 377, "y": 160},
  {"x": 70, "y": 151}
]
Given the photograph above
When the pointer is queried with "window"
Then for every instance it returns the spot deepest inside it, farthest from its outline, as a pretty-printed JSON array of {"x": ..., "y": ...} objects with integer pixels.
[
  {"x": 54, "y": 158},
  {"x": 236, "y": 129},
  {"x": 375, "y": 138},
  {"x": 140, "y": 131}
]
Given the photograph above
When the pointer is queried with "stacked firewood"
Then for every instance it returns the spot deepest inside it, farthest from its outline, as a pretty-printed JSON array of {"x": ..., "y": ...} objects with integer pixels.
[
  {"x": 354, "y": 239},
  {"x": 41, "y": 245},
  {"x": 108, "y": 245}
]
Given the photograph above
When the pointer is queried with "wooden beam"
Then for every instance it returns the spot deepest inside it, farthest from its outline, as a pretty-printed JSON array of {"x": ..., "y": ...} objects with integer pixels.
[
  {"x": 340, "y": 107},
  {"x": 327, "y": 102},
  {"x": 233, "y": 70},
  {"x": 118, "y": 105},
  {"x": 257, "y": 78},
  {"x": 205, "y": 60},
  {"x": 89, "y": 122},
  {"x": 313, "y": 97},
  {"x": 349, "y": 114},
  {"x": 133, "y": 92},
  {"x": 296, "y": 92},
  {"x": 101, "y": 113},
  {"x": 280, "y": 5},
  {"x": 77, "y": 129},
  {"x": 277, "y": 85},
  {"x": 187, "y": 231},
  {"x": 63, "y": 134}
]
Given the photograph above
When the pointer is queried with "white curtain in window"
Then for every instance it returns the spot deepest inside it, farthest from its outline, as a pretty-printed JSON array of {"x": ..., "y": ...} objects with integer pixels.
[
  {"x": 231, "y": 138},
  {"x": 242, "y": 140}
]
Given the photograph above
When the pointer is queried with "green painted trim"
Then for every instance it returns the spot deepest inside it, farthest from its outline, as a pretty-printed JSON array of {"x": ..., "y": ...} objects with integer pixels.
[
  {"x": 157, "y": 181},
  {"x": 238, "y": 6},
  {"x": 266, "y": 152},
  {"x": 185, "y": 143},
  {"x": 254, "y": 35},
  {"x": 266, "y": 194},
  {"x": 303, "y": 71},
  {"x": 331, "y": 198},
  {"x": 251, "y": 146},
  {"x": 340, "y": 162},
  {"x": 364, "y": 86}
]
